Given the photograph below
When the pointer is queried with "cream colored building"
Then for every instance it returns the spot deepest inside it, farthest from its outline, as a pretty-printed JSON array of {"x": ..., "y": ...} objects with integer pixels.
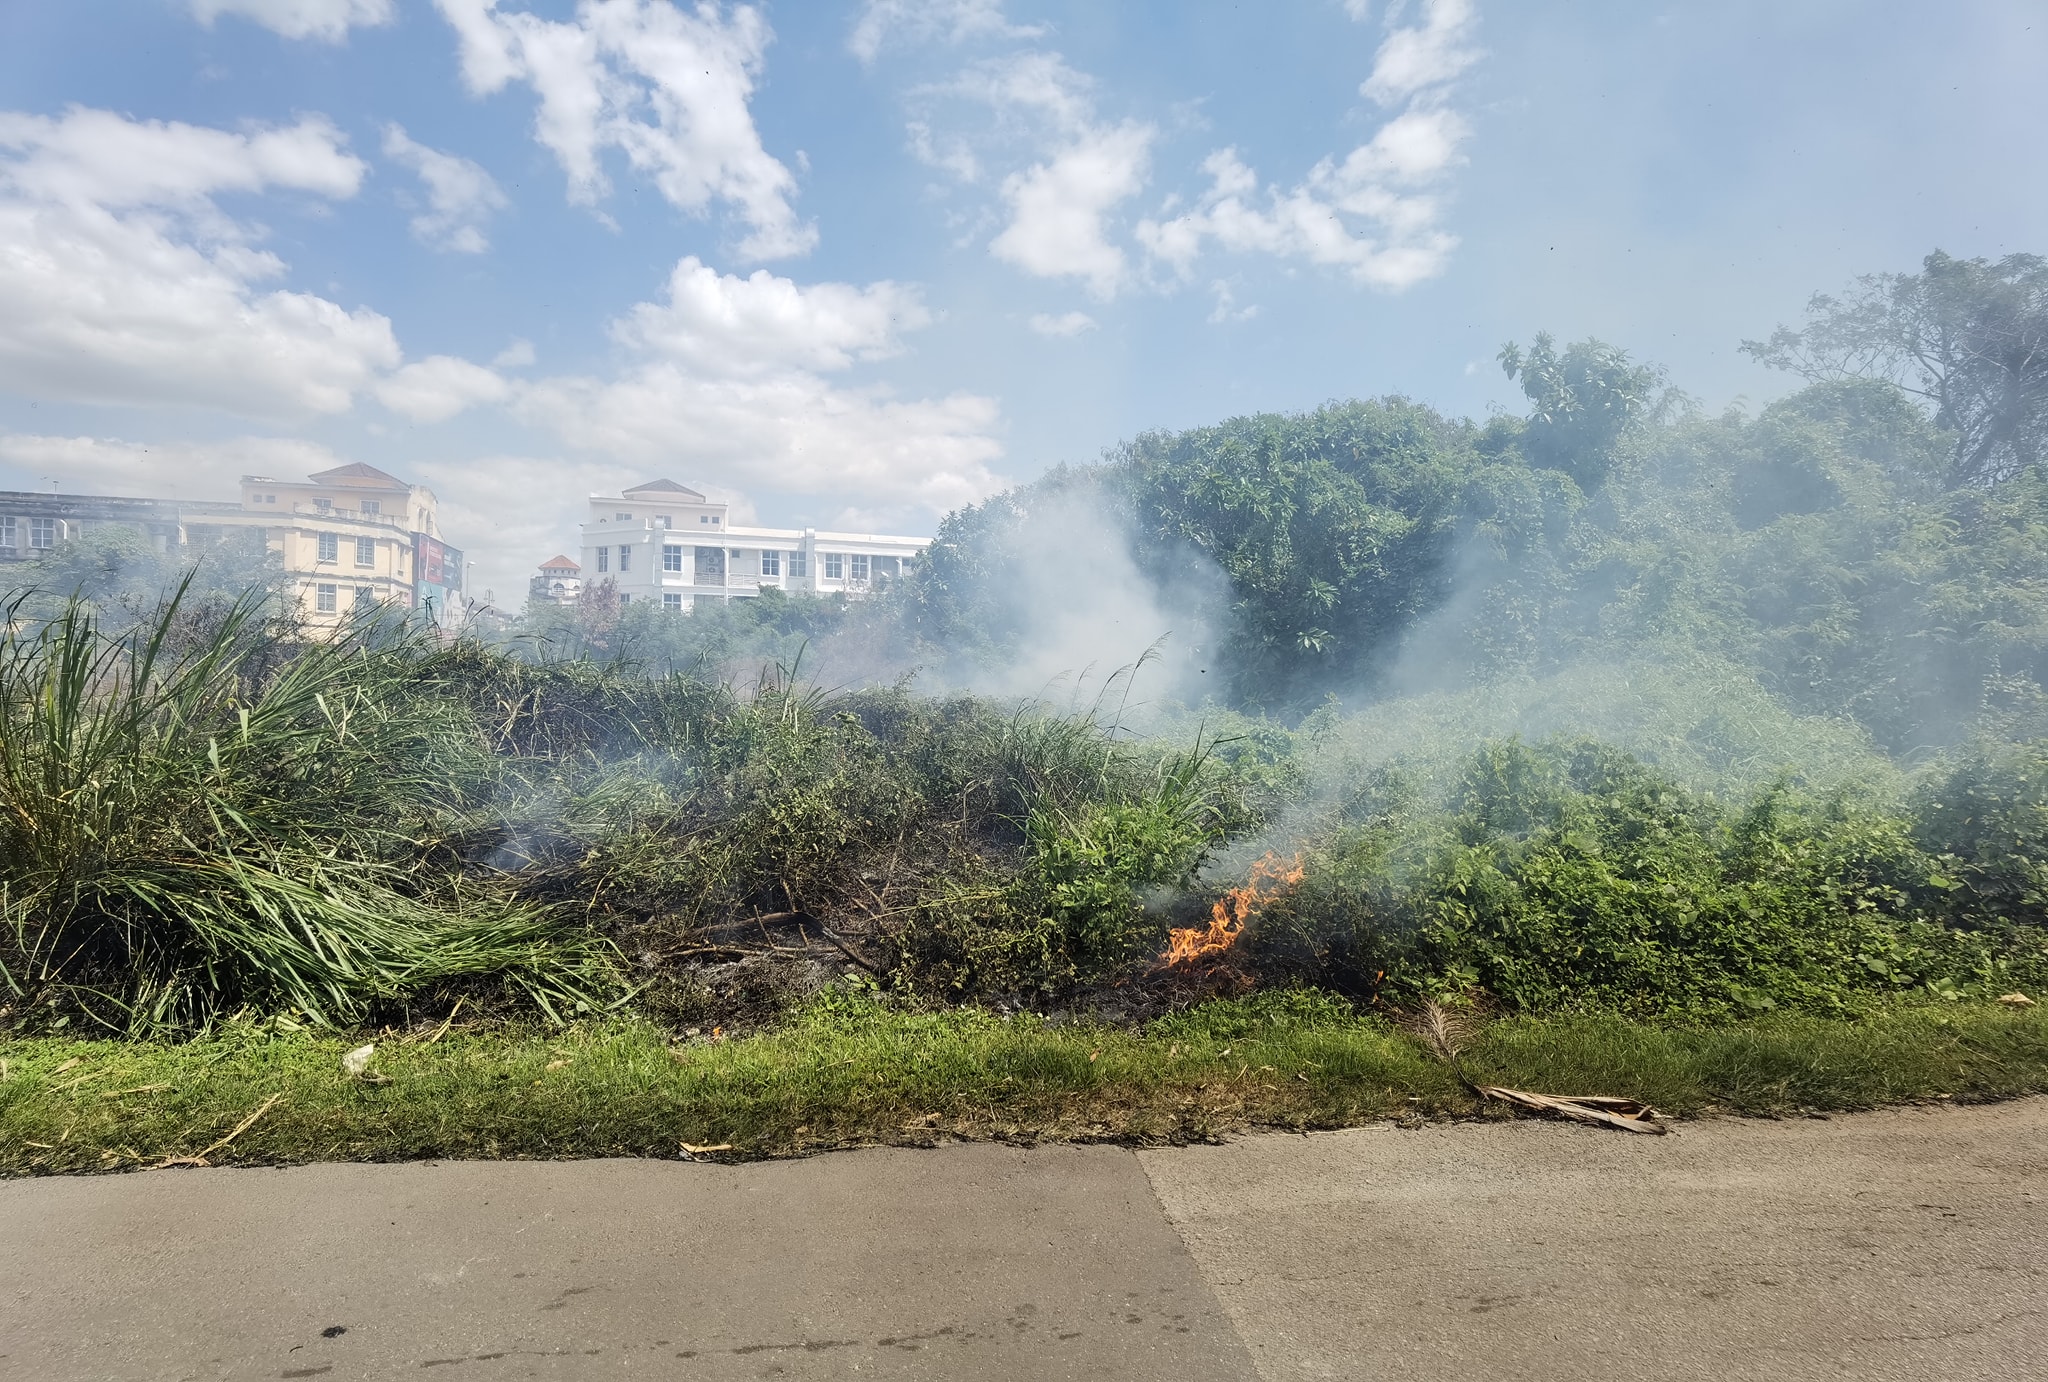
[
  {"x": 664, "y": 542},
  {"x": 347, "y": 538},
  {"x": 354, "y": 537}
]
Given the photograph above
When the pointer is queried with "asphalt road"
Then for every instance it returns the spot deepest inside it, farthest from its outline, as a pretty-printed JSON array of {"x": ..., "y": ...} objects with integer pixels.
[{"x": 1900, "y": 1244}]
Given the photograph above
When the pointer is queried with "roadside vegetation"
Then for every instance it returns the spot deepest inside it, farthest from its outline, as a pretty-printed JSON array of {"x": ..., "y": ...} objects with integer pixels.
[{"x": 1696, "y": 759}]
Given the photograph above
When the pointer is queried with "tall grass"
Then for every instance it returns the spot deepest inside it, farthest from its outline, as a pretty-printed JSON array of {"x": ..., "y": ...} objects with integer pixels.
[{"x": 188, "y": 827}]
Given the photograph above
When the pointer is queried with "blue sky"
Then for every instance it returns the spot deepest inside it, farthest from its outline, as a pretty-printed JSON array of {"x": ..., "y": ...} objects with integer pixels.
[{"x": 854, "y": 263}]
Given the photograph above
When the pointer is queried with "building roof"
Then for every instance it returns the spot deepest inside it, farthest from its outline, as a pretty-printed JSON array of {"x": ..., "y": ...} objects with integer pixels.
[
  {"x": 358, "y": 475},
  {"x": 559, "y": 564},
  {"x": 665, "y": 487}
]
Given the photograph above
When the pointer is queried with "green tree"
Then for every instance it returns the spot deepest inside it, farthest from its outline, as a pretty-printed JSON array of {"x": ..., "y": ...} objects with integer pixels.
[
  {"x": 1583, "y": 401},
  {"x": 1967, "y": 336}
]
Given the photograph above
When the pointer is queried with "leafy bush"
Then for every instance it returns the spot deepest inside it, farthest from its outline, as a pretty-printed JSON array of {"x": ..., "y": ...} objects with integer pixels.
[{"x": 1567, "y": 875}]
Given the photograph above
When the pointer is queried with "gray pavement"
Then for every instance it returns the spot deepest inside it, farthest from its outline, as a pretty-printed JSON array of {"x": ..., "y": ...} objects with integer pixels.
[
  {"x": 1911, "y": 1243},
  {"x": 1901, "y": 1244}
]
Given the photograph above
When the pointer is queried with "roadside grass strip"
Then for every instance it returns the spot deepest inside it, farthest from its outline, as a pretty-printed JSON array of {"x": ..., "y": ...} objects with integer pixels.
[{"x": 851, "y": 1072}]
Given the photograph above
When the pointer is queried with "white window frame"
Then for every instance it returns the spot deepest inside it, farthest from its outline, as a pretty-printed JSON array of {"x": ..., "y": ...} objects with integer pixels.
[
  {"x": 604, "y": 559},
  {"x": 799, "y": 564},
  {"x": 10, "y": 534},
  {"x": 625, "y": 559},
  {"x": 42, "y": 534},
  {"x": 671, "y": 557},
  {"x": 326, "y": 548},
  {"x": 859, "y": 569},
  {"x": 366, "y": 551},
  {"x": 771, "y": 562},
  {"x": 365, "y": 597},
  {"x": 324, "y": 598},
  {"x": 672, "y": 602},
  {"x": 835, "y": 565},
  {"x": 373, "y": 507}
]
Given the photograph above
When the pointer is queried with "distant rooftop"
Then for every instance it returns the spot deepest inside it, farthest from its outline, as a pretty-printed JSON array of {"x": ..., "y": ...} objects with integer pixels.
[
  {"x": 665, "y": 487},
  {"x": 358, "y": 475},
  {"x": 559, "y": 564}
]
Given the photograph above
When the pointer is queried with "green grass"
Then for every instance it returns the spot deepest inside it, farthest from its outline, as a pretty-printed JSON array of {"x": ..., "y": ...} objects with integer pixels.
[{"x": 850, "y": 1072}]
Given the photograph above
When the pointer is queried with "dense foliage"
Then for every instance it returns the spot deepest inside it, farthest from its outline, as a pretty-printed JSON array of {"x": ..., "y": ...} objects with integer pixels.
[{"x": 1614, "y": 706}]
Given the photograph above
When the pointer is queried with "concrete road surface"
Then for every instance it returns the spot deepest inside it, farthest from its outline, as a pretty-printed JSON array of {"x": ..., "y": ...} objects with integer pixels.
[{"x": 1900, "y": 1244}]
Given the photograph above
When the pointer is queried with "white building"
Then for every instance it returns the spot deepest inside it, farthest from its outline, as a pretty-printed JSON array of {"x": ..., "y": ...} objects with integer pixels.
[{"x": 662, "y": 542}]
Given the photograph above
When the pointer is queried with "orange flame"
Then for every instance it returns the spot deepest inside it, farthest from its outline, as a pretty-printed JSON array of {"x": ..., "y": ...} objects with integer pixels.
[{"x": 1227, "y": 919}]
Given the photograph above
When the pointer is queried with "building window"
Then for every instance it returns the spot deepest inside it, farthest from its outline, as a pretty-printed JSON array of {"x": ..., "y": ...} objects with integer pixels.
[
  {"x": 672, "y": 560},
  {"x": 42, "y": 533},
  {"x": 270, "y": 499},
  {"x": 604, "y": 558},
  {"x": 371, "y": 506},
  {"x": 623, "y": 517},
  {"x": 835, "y": 566},
  {"x": 330, "y": 547},
  {"x": 365, "y": 597},
  {"x": 366, "y": 551},
  {"x": 10, "y": 535},
  {"x": 799, "y": 564},
  {"x": 860, "y": 566},
  {"x": 668, "y": 520},
  {"x": 323, "y": 598},
  {"x": 625, "y": 599},
  {"x": 672, "y": 603},
  {"x": 625, "y": 558},
  {"x": 324, "y": 505},
  {"x": 771, "y": 563},
  {"x": 703, "y": 518}
]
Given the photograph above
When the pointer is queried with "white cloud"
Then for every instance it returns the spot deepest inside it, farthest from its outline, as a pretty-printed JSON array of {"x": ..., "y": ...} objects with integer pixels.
[
  {"x": 326, "y": 20},
  {"x": 1425, "y": 55},
  {"x": 460, "y": 195},
  {"x": 726, "y": 382},
  {"x": 440, "y": 386},
  {"x": 723, "y": 324},
  {"x": 123, "y": 282},
  {"x": 1226, "y": 310},
  {"x": 170, "y": 470},
  {"x": 1374, "y": 213},
  {"x": 949, "y": 21},
  {"x": 1065, "y": 324},
  {"x": 1076, "y": 168},
  {"x": 517, "y": 354},
  {"x": 667, "y": 88},
  {"x": 1058, "y": 208}
]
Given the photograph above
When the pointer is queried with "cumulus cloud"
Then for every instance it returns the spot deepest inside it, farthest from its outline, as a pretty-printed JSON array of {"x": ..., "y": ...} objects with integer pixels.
[
  {"x": 667, "y": 88},
  {"x": 326, "y": 20},
  {"x": 1059, "y": 208},
  {"x": 1077, "y": 167},
  {"x": 440, "y": 386},
  {"x": 1065, "y": 324},
  {"x": 1425, "y": 55},
  {"x": 171, "y": 470},
  {"x": 461, "y": 196},
  {"x": 726, "y": 378},
  {"x": 949, "y": 21},
  {"x": 1374, "y": 213},
  {"x": 124, "y": 282},
  {"x": 724, "y": 324}
]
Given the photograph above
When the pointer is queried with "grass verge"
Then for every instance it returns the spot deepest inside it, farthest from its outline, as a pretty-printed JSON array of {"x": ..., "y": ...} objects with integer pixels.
[{"x": 849, "y": 1072}]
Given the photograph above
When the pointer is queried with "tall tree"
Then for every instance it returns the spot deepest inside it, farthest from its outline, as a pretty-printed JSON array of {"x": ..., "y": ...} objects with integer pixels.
[
  {"x": 1583, "y": 399},
  {"x": 1968, "y": 336}
]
